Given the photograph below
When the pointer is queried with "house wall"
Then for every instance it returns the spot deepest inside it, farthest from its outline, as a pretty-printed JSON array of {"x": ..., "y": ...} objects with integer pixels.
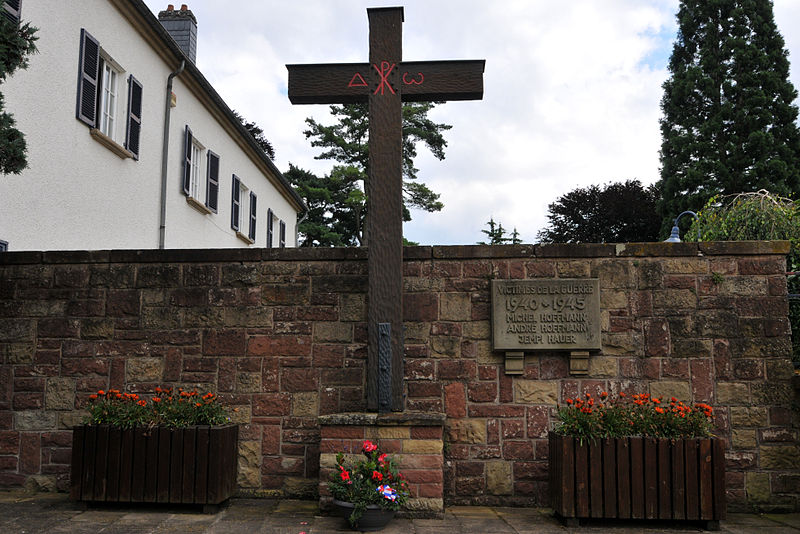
[
  {"x": 76, "y": 193},
  {"x": 281, "y": 335}
]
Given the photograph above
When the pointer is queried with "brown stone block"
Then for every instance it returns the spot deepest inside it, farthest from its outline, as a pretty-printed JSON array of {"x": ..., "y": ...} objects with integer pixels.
[
  {"x": 500, "y": 411},
  {"x": 9, "y": 442},
  {"x": 457, "y": 370},
  {"x": 30, "y": 453},
  {"x": 512, "y": 429},
  {"x": 419, "y": 369},
  {"x": 762, "y": 265},
  {"x": 455, "y": 400},
  {"x": 445, "y": 347},
  {"x": 339, "y": 283},
  {"x": 482, "y": 392},
  {"x": 299, "y": 379},
  {"x": 424, "y": 389},
  {"x": 518, "y": 450},
  {"x": 84, "y": 366},
  {"x": 278, "y": 346},
  {"x": 266, "y": 404},
  {"x": 420, "y": 307}
]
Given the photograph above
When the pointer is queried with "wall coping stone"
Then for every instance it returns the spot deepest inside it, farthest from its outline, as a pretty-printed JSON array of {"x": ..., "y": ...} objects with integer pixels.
[
  {"x": 549, "y": 250},
  {"x": 383, "y": 419}
]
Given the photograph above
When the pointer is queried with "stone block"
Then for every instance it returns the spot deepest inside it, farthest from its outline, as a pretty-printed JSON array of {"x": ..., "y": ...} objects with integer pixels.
[
  {"x": 742, "y": 438},
  {"x": 498, "y": 477},
  {"x": 780, "y": 457},
  {"x": 467, "y": 431},
  {"x": 757, "y": 487},
  {"x": 333, "y": 332},
  {"x": 144, "y": 370},
  {"x": 17, "y": 354},
  {"x": 422, "y": 446},
  {"x": 248, "y": 382},
  {"x": 305, "y": 404},
  {"x": 394, "y": 432},
  {"x": 352, "y": 307},
  {"x": 603, "y": 367},
  {"x": 34, "y": 420},
  {"x": 733, "y": 393},
  {"x": 666, "y": 389},
  {"x": 566, "y": 269},
  {"x": 59, "y": 394},
  {"x": 249, "y": 475},
  {"x": 445, "y": 347},
  {"x": 455, "y": 307},
  {"x": 743, "y": 417},
  {"x": 536, "y": 392}
]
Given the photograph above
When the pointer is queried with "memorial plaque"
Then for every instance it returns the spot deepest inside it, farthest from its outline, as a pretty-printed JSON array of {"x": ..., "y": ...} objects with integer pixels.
[{"x": 549, "y": 314}]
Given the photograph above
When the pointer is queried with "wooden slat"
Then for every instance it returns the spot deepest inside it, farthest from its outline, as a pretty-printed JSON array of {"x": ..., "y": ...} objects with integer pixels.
[
  {"x": 100, "y": 464},
  {"x": 163, "y": 452},
  {"x": 706, "y": 480},
  {"x": 232, "y": 455},
  {"x": 152, "y": 466},
  {"x": 126, "y": 466},
  {"x": 596, "y": 478},
  {"x": 89, "y": 448},
  {"x": 554, "y": 463},
  {"x": 637, "y": 478},
  {"x": 718, "y": 467},
  {"x": 176, "y": 465},
  {"x": 188, "y": 464},
  {"x": 582, "y": 479},
  {"x": 143, "y": 487},
  {"x": 76, "y": 470},
  {"x": 624, "y": 477},
  {"x": 678, "y": 480},
  {"x": 215, "y": 473},
  {"x": 201, "y": 467},
  {"x": 650, "y": 479},
  {"x": 692, "y": 487},
  {"x": 610, "y": 478},
  {"x": 664, "y": 479},
  {"x": 568, "y": 476},
  {"x": 114, "y": 451}
]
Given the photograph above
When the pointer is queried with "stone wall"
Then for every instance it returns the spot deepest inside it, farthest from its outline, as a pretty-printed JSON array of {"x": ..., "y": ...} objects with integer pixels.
[{"x": 281, "y": 335}]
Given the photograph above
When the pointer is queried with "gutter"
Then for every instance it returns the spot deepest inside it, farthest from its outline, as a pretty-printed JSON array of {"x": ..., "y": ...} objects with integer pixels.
[{"x": 162, "y": 228}]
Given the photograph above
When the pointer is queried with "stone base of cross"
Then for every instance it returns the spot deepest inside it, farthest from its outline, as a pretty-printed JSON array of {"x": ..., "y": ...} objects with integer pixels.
[{"x": 385, "y": 82}]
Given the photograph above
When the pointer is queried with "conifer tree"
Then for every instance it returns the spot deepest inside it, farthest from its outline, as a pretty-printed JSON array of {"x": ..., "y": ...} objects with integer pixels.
[
  {"x": 17, "y": 42},
  {"x": 729, "y": 124}
]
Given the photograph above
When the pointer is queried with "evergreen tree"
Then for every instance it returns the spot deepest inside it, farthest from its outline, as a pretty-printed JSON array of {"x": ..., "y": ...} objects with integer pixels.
[
  {"x": 497, "y": 234},
  {"x": 729, "y": 124},
  {"x": 258, "y": 134},
  {"x": 17, "y": 42},
  {"x": 619, "y": 212},
  {"x": 346, "y": 142}
]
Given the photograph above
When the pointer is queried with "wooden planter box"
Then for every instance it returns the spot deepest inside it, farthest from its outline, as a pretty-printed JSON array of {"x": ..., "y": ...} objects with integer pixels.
[
  {"x": 195, "y": 465},
  {"x": 638, "y": 478}
]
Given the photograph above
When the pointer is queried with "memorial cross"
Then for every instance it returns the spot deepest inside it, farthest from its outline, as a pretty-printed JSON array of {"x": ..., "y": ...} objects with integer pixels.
[{"x": 385, "y": 82}]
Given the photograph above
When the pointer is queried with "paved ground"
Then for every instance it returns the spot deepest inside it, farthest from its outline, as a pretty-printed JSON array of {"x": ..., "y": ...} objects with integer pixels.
[{"x": 54, "y": 513}]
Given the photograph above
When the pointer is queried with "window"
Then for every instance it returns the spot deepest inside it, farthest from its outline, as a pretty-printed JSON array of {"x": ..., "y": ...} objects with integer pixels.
[
  {"x": 236, "y": 195},
  {"x": 3, "y": 246},
  {"x": 201, "y": 187},
  {"x": 252, "y": 233},
  {"x": 283, "y": 235},
  {"x": 99, "y": 86},
  {"x": 270, "y": 227},
  {"x": 11, "y": 10}
]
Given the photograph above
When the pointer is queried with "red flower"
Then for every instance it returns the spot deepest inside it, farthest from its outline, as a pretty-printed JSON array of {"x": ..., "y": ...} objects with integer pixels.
[
  {"x": 382, "y": 457},
  {"x": 369, "y": 446},
  {"x": 377, "y": 476},
  {"x": 344, "y": 474}
]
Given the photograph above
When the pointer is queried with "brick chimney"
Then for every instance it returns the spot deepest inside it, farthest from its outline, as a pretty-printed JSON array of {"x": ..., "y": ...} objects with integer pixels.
[{"x": 182, "y": 26}]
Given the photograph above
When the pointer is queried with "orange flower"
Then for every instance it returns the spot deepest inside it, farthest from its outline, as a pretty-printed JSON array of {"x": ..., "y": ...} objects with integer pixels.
[
  {"x": 101, "y": 392},
  {"x": 156, "y": 399},
  {"x": 198, "y": 404},
  {"x": 603, "y": 394},
  {"x": 93, "y": 396},
  {"x": 659, "y": 409},
  {"x": 569, "y": 401},
  {"x": 142, "y": 403}
]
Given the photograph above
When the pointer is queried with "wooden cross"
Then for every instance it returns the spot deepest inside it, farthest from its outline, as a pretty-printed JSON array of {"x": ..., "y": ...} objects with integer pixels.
[{"x": 385, "y": 82}]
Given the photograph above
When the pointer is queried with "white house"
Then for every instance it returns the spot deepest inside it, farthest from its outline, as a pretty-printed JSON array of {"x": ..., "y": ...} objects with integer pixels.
[{"x": 129, "y": 146}]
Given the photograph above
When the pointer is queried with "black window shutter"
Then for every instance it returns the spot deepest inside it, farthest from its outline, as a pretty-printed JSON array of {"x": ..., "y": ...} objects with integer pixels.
[
  {"x": 269, "y": 228},
  {"x": 88, "y": 78},
  {"x": 212, "y": 182},
  {"x": 283, "y": 235},
  {"x": 3, "y": 246},
  {"x": 235, "y": 204},
  {"x": 12, "y": 9},
  {"x": 187, "y": 160},
  {"x": 134, "y": 116},
  {"x": 252, "y": 233}
]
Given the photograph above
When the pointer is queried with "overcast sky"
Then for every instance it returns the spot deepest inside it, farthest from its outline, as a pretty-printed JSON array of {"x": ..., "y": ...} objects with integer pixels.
[{"x": 571, "y": 92}]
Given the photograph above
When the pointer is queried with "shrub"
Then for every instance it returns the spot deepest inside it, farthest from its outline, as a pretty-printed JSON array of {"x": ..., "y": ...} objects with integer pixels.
[{"x": 127, "y": 410}]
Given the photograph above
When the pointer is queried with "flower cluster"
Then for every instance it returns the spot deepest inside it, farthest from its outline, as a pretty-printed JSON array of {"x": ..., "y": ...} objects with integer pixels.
[
  {"x": 175, "y": 410},
  {"x": 590, "y": 418},
  {"x": 372, "y": 478}
]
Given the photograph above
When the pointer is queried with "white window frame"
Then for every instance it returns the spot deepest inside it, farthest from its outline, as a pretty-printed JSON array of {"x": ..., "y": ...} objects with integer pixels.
[
  {"x": 110, "y": 74},
  {"x": 244, "y": 214},
  {"x": 197, "y": 185}
]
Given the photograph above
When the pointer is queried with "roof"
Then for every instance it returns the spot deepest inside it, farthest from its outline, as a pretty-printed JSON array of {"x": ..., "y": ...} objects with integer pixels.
[{"x": 172, "y": 51}]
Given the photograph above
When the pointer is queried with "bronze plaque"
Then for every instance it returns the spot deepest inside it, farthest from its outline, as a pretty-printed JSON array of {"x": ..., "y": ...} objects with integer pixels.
[{"x": 548, "y": 314}]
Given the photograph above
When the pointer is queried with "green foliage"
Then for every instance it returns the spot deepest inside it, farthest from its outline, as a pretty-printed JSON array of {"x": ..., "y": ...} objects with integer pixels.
[
  {"x": 346, "y": 142},
  {"x": 369, "y": 478},
  {"x": 757, "y": 216},
  {"x": 258, "y": 135},
  {"x": 590, "y": 419},
  {"x": 127, "y": 410},
  {"x": 619, "y": 212},
  {"x": 17, "y": 42},
  {"x": 729, "y": 123},
  {"x": 498, "y": 235}
]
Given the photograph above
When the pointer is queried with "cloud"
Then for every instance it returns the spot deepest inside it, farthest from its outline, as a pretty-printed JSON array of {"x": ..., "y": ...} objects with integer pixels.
[{"x": 572, "y": 92}]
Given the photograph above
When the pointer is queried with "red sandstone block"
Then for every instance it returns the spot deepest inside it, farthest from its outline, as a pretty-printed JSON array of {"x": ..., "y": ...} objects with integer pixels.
[
  {"x": 417, "y": 461},
  {"x": 675, "y": 367},
  {"x": 61, "y": 456},
  {"x": 57, "y": 439},
  {"x": 423, "y": 476},
  {"x": 761, "y": 265},
  {"x": 487, "y": 372},
  {"x": 455, "y": 400},
  {"x": 446, "y": 329},
  {"x": 291, "y": 345},
  {"x": 457, "y": 452},
  {"x": 420, "y": 307},
  {"x": 9, "y": 442},
  {"x": 424, "y": 389},
  {"x": 272, "y": 404},
  {"x": 425, "y": 405},
  {"x": 457, "y": 370},
  {"x": 342, "y": 432},
  {"x": 485, "y": 452},
  {"x": 28, "y": 385},
  {"x": 482, "y": 391},
  {"x": 516, "y": 269},
  {"x": 30, "y": 453},
  {"x": 435, "y": 491},
  {"x": 506, "y": 388},
  {"x": 512, "y": 429},
  {"x": 327, "y": 355},
  {"x": 351, "y": 376},
  {"x": 426, "y": 432},
  {"x": 501, "y": 411},
  {"x": 518, "y": 450},
  {"x": 271, "y": 439},
  {"x": 8, "y": 480},
  {"x": 295, "y": 379},
  {"x": 541, "y": 269},
  {"x": 656, "y": 335},
  {"x": 480, "y": 311},
  {"x": 419, "y": 369},
  {"x": 530, "y": 470},
  {"x": 538, "y": 419},
  {"x": 470, "y": 469},
  {"x": 27, "y": 401},
  {"x": 390, "y": 446},
  {"x": 8, "y": 463}
]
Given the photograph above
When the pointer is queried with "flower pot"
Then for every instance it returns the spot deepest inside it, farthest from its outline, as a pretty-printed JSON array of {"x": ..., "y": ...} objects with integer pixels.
[
  {"x": 638, "y": 478},
  {"x": 194, "y": 465},
  {"x": 374, "y": 518}
]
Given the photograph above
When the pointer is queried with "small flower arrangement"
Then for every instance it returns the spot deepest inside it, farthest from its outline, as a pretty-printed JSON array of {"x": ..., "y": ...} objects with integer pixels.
[
  {"x": 178, "y": 410},
  {"x": 373, "y": 479},
  {"x": 589, "y": 418}
]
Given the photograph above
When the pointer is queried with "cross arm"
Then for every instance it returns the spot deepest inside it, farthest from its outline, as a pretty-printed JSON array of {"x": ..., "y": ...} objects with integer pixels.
[
  {"x": 331, "y": 83},
  {"x": 424, "y": 81}
]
